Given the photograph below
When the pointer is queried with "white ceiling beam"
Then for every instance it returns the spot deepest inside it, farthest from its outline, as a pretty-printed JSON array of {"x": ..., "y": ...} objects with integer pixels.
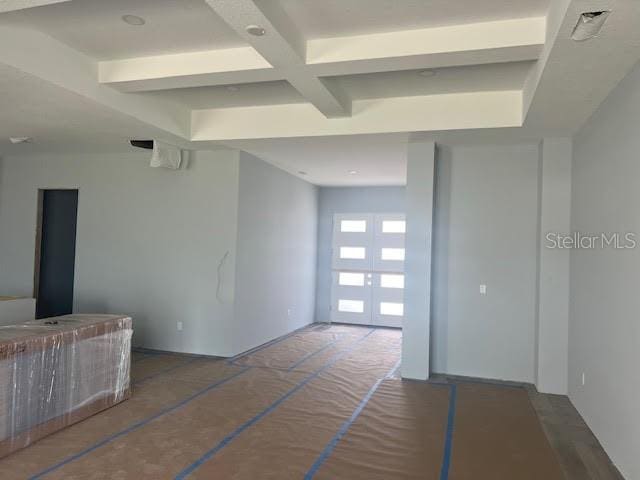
[
  {"x": 12, "y": 5},
  {"x": 459, "y": 45},
  {"x": 184, "y": 70},
  {"x": 556, "y": 17},
  {"x": 457, "y": 111},
  {"x": 283, "y": 47},
  {"x": 43, "y": 57},
  {"x": 455, "y": 45}
]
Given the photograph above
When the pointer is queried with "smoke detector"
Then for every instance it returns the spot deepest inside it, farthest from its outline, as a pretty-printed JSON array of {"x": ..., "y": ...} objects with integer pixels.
[{"x": 589, "y": 25}]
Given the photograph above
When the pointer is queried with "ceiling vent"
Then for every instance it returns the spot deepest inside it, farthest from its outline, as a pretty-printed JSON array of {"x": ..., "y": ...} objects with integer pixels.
[
  {"x": 163, "y": 155},
  {"x": 17, "y": 140},
  {"x": 589, "y": 25},
  {"x": 146, "y": 144}
]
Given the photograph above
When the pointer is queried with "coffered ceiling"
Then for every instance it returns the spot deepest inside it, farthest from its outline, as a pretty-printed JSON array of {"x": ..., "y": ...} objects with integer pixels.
[{"x": 194, "y": 72}]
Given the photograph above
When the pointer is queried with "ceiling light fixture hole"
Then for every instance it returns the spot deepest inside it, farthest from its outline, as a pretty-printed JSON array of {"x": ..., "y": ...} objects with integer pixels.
[
  {"x": 255, "y": 30},
  {"x": 134, "y": 20}
]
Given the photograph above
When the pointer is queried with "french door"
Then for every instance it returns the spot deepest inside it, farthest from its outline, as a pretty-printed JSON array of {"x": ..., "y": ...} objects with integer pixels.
[{"x": 368, "y": 269}]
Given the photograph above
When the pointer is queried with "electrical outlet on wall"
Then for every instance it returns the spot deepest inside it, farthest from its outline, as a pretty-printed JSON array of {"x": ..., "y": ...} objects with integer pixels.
[
  {"x": 483, "y": 289},
  {"x": 179, "y": 326},
  {"x": 584, "y": 379}
]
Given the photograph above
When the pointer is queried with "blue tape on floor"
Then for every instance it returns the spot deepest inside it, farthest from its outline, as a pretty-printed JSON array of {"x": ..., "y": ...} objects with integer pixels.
[
  {"x": 312, "y": 354},
  {"x": 136, "y": 425},
  {"x": 229, "y": 438},
  {"x": 166, "y": 370},
  {"x": 149, "y": 356},
  {"x": 448, "y": 443},
  {"x": 495, "y": 383},
  {"x": 346, "y": 425},
  {"x": 232, "y": 360},
  {"x": 395, "y": 370},
  {"x": 150, "y": 353}
]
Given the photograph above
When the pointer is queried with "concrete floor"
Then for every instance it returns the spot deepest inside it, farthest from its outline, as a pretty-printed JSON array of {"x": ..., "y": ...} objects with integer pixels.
[
  {"x": 581, "y": 455},
  {"x": 578, "y": 450}
]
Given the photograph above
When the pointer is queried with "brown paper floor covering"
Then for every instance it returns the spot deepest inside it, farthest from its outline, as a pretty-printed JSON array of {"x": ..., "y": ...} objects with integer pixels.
[{"x": 321, "y": 403}]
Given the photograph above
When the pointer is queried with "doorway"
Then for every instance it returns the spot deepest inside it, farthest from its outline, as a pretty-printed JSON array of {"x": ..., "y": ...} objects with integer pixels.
[
  {"x": 368, "y": 269},
  {"x": 55, "y": 252}
]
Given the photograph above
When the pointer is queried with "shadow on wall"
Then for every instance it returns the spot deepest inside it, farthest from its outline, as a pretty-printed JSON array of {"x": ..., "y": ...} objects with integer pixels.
[
  {"x": 440, "y": 252},
  {"x": 1, "y": 173}
]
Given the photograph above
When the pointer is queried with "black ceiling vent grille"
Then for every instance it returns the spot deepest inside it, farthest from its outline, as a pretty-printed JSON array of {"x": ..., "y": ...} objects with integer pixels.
[{"x": 146, "y": 144}]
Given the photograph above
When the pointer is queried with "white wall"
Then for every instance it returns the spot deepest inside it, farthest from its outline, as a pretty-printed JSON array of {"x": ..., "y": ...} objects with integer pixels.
[
  {"x": 16, "y": 310},
  {"x": 485, "y": 232},
  {"x": 150, "y": 243},
  {"x": 604, "y": 333},
  {"x": 416, "y": 325},
  {"x": 276, "y": 253},
  {"x": 553, "y": 267},
  {"x": 148, "y": 240},
  {"x": 334, "y": 200}
]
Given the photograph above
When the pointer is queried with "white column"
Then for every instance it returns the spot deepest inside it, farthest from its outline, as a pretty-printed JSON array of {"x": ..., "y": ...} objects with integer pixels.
[
  {"x": 416, "y": 324},
  {"x": 553, "y": 279}
]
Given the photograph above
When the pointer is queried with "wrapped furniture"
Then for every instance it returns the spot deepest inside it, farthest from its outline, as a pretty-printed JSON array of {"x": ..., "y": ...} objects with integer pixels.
[{"x": 57, "y": 371}]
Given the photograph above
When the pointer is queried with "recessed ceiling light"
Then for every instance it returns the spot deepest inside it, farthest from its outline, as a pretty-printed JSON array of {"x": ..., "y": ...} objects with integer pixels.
[
  {"x": 16, "y": 140},
  {"x": 133, "y": 20},
  {"x": 231, "y": 88},
  {"x": 353, "y": 172},
  {"x": 255, "y": 30},
  {"x": 427, "y": 73}
]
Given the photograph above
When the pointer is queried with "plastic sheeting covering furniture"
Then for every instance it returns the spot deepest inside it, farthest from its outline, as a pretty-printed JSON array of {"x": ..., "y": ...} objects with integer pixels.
[{"x": 58, "y": 371}]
